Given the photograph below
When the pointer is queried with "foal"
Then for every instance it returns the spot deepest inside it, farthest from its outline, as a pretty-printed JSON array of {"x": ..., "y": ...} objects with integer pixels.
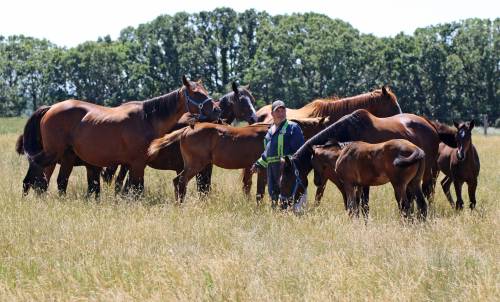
[
  {"x": 397, "y": 161},
  {"x": 460, "y": 165},
  {"x": 323, "y": 163}
]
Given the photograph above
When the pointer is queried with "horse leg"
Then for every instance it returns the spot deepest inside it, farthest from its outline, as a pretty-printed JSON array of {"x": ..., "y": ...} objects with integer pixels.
[
  {"x": 320, "y": 190},
  {"x": 458, "y": 191},
  {"x": 365, "y": 198},
  {"x": 67, "y": 163},
  {"x": 416, "y": 189},
  {"x": 204, "y": 179},
  {"x": 446, "y": 184},
  {"x": 108, "y": 173},
  {"x": 261, "y": 184},
  {"x": 427, "y": 181},
  {"x": 181, "y": 181},
  {"x": 402, "y": 199},
  {"x": 471, "y": 186},
  {"x": 350, "y": 191},
  {"x": 119, "y": 179},
  {"x": 136, "y": 179},
  {"x": 93, "y": 181},
  {"x": 247, "y": 181}
]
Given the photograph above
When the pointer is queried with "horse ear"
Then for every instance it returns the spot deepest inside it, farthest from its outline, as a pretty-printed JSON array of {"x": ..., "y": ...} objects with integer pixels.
[
  {"x": 235, "y": 88},
  {"x": 471, "y": 124},
  {"x": 185, "y": 81},
  {"x": 384, "y": 90},
  {"x": 456, "y": 124}
]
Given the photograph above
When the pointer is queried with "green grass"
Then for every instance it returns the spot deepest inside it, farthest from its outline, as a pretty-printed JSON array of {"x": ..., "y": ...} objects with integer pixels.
[{"x": 227, "y": 248}]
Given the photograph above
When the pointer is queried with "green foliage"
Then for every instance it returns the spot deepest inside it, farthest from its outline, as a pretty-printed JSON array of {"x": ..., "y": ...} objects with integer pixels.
[{"x": 447, "y": 71}]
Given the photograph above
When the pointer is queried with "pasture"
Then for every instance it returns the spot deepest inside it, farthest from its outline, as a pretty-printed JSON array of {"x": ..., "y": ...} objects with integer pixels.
[{"x": 227, "y": 248}]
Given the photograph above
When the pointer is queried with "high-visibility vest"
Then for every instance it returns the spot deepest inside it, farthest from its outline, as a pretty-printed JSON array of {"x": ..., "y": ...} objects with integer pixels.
[{"x": 276, "y": 158}]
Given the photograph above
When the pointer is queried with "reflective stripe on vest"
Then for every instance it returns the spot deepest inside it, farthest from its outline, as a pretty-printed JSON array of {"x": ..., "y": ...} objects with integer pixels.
[
  {"x": 280, "y": 138},
  {"x": 281, "y": 153}
]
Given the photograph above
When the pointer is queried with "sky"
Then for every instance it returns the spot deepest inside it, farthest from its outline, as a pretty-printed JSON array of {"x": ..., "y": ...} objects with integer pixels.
[{"x": 71, "y": 22}]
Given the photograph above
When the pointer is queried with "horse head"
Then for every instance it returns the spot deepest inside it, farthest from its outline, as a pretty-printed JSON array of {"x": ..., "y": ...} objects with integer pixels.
[
  {"x": 387, "y": 103},
  {"x": 293, "y": 178},
  {"x": 198, "y": 102},
  {"x": 238, "y": 104},
  {"x": 463, "y": 137}
]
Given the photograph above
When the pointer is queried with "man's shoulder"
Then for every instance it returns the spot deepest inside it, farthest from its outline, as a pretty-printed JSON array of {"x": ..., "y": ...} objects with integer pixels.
[{"x": 293, "y": 125}]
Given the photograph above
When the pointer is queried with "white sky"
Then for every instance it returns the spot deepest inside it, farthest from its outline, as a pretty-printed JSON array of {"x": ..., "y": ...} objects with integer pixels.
[{"x": 70, "y": 22}]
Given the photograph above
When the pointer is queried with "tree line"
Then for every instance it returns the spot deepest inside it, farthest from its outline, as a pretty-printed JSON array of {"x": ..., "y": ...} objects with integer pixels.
[{"x": 446, "y": 71}]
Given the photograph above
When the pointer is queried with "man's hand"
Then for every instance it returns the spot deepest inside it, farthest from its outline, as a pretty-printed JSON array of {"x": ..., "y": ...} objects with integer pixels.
[{"x": 254, "y": 169}]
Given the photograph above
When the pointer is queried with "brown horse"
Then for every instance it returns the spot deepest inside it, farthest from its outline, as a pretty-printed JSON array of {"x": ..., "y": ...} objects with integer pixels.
[
  {"x": 237, "y": 104},
  {"x": 460, "y": 165},
  {"x": 360, "y": 164},
  {"x": 104, "y": 136},
  {"x": 381, "y": 102},
  {"x": 361, "y": 125},
  {"x": 222, "y": 145},
  {"x": 396, "y": 161}
]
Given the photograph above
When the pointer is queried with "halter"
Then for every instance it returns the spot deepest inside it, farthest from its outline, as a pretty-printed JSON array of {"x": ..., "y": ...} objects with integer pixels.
[
  {"x": 195, "y": 103},
  {"x": 298, "y": 182}
]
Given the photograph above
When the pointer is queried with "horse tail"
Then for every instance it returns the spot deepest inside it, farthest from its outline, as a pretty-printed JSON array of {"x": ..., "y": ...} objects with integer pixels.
[
  {"x": 446, "y": 133},
  {"x": 20, "y": 145},
  {"x": 160, "y": 143},
  {"x": 32, "y": 138},
  {"x": 417, "y": 155}
]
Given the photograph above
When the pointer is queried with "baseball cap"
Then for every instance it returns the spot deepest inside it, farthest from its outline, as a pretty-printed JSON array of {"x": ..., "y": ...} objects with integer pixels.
[{"x": 277, "y": 104}]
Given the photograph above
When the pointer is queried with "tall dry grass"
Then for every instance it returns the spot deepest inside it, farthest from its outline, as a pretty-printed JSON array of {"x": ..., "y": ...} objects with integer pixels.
[{"x": 227, "y": 248}]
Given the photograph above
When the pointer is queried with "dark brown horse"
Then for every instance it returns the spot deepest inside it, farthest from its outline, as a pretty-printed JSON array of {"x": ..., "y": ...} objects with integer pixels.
[
  {"x": 381, "y": 102},
  {"x": 397, "y": 161},
  {"x": 460, "y": 165},
  {"x": 361, "y": 125},
  {"x": 222, "y": 145},
  {"x": 104, "y": 136}
]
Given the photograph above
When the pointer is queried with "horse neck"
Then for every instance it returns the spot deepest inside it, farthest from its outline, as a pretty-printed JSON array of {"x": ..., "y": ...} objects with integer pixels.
[
  {"x": 165, "y": 125},
  {"x": 303, "y": 161}
]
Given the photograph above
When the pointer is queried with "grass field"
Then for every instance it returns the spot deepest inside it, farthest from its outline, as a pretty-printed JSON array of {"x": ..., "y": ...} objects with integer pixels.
[{"x": 227, "y": 248}]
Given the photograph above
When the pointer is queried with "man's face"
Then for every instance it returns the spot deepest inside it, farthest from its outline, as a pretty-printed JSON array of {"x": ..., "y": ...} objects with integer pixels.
[{"x": 279, "y": 115}]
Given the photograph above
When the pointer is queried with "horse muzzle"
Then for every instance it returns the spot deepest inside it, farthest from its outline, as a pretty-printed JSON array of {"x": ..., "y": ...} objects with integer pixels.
[{"x": 460, "y": 155}]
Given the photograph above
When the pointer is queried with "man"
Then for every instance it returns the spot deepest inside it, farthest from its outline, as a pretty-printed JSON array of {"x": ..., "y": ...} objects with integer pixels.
[{"x": 283, "y": 138}]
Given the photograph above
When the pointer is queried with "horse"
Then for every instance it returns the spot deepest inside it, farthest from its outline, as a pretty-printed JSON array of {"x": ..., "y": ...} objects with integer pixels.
[
  {"x": 102, "y": 136},
  {"x": 238, "y": 105},
  {"x": 361, "y": 125},
  {"x": 235, "y": 105},
  {"x": 380, "y": 102},
  {"x": 204, "y": 143},
  {"x": 361, "y": 164},
  {"x": 460, "y": 165}
]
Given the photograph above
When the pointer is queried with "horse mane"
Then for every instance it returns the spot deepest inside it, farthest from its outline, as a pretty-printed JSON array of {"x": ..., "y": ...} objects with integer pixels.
[
  {"x": 323, "y": 107},
  {"x": 161, "y": 106}
]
